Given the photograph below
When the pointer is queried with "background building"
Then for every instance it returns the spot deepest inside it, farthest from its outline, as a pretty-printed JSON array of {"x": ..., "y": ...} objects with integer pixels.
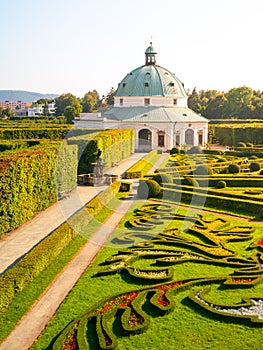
[{"x": 152, "y": 101}]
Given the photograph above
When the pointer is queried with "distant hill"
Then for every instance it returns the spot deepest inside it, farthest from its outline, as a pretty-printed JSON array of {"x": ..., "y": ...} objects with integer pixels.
[{"x": 24, "y": 96}]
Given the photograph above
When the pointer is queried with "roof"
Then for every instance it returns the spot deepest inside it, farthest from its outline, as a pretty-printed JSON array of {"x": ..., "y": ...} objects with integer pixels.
[
  {"x": 150, "y": 49},
  {"x": 154, "y": 114},
  {"x": 151, "y": 80}
]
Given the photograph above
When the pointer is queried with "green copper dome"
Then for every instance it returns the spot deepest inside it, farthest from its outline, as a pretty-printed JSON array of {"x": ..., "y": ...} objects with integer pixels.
[
  {"x": 151, "y": 80},
  {"x": 150, "y": 49}
]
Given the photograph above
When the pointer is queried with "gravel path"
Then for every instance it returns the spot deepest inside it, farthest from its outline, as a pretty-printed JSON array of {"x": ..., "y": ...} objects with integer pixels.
[{"x": 32, "y": 324}]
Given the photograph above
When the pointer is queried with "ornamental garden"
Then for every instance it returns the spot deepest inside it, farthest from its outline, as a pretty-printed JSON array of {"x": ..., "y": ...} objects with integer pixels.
[{"x": 184, "y": 267}]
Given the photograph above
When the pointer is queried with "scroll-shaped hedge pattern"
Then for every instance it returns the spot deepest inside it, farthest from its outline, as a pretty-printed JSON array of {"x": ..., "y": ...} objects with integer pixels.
[{"x": 164, "y": 251}]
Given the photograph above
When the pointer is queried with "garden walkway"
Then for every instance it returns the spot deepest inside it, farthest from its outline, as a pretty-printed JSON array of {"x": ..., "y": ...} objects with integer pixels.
[
  {"x": 17, "y": 243},
  {"x": 35, "y": 320}
]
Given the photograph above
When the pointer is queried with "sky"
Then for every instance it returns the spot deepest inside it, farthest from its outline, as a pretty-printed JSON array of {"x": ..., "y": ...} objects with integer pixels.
[{"x": 62, "y": 46}]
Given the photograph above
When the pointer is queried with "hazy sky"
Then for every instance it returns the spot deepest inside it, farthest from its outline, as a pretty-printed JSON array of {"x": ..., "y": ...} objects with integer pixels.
[{"x": 60, "y": 46}]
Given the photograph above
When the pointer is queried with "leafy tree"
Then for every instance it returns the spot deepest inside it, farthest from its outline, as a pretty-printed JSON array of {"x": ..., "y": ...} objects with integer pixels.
[
  {"x": 194, "y": 101},
  {"x": 72, "y": 111},
  {"x": 6, "y": 113},
  {"x": 90, "y": 101},
  {"x": 238, "y": 102},
  {"x": 215, "y": 107},
  {"x": 64, "y": 101}
]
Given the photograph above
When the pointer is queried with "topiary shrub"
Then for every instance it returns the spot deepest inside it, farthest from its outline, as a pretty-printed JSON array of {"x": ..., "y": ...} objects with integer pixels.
[
  {"x": 195, "y": 150},
  {"x": 255, "y": 166},
  {"x": 253, "y": 157},
  {"x": 221, "y": 184},
  {"x": 148, "y": 189},
  {"x": 175, "y": 150},
  {"x": 233, "y": 169},
  {"x": 190, "y": 181},
  {"x": 250, "y": 145},
  {"x": 241, "y": 144},
  {"x": 162, "y": 178},
  {"x": 261, "y": 172},
  {"x": 203, "y": 170}
]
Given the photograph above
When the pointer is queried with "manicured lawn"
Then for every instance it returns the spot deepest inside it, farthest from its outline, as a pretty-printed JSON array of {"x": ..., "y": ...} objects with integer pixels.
[
  {"x": 22, "y": 302},
  {"x": 187, "y": 326}
]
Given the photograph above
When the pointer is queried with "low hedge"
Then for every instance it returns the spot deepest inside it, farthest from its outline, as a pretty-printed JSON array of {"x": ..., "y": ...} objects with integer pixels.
[
  {"x": 151, "y": 276},
  {"x": 32, "y": 132},
  {"x": 232, "y": 204},
  {"x": 139, "y": 169},
  {"x": 248, "y": 194},
  {"x": 218, "y": 311},
  {"x": 231, "y": 180},
  {"x": 14, "y": 280},
  {"x": 17, "y": 278}
]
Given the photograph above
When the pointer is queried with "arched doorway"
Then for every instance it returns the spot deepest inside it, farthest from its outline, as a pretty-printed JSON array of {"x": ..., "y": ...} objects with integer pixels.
[
  {"x": 145, "y": 140},
  {"x": 189, "y": 137}
]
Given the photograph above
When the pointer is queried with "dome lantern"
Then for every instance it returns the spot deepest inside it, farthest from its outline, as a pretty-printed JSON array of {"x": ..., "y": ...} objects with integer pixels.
[{"x": 150, "y": 56}]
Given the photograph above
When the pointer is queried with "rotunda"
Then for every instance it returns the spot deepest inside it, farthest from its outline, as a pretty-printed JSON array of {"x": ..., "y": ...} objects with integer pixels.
[{"x": 152, "y": 101}]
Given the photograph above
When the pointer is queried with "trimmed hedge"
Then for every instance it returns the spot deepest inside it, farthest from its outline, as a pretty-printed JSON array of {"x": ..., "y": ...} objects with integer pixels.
[
  {"x": 142, "y": 166},
  {"x": 233, "y": 204},
  {"x": 30, "y": 181},
  {"x": 14, "y": 280},
  {"x": 17, "y": 278},
  {"x": 148, "y": 189},
  {"x": 42, "y": 132},
  {"x": 115, "y": 144}
]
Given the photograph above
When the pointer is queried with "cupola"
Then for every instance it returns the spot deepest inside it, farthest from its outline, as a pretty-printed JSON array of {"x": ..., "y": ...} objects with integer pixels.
[{"x": 150, "y": 56}]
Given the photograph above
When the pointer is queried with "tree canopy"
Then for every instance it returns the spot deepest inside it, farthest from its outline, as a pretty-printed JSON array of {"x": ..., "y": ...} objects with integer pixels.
[
  {"x": 64, "y": 101},
  {"x": 242, "y": 102}
]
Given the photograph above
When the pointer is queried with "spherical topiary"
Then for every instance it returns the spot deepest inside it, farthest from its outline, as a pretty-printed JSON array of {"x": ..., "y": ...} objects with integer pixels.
[
  {"x": 221, "y": 184},
  {"x": 203, "y": 170},
  {"x": 195, "y": 150},
  {"x": 190, "y": 181},
  {"x": 233, "y": 169},
  {"x": 261, "y": 172},
  {"x": 148, "y": 189},
  {"x": 175, "y": 150},
  {"x": 163, "y": 178},
  {"x": 254, "y": 166}
]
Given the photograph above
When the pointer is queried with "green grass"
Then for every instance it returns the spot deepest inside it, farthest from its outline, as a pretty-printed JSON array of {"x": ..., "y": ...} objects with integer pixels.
[
  {"x": 186, "y": 327},
  {"x": 23, "y": 301}
]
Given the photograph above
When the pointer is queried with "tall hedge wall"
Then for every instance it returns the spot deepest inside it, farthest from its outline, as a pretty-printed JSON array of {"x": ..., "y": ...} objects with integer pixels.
[
  {"x": 231, "y": 135},
  {"x": 30, "y": 180},
  {"x": 115, "y": 144}
]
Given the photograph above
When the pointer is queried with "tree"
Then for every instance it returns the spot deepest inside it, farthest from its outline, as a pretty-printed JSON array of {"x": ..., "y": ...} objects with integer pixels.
[
  {"x": 6, "y": 113},
  {"x": 46, "y": 109},
  {"x": 90, "y": 101},
  {"x": 238, "y": 102},
  {"x": 214, "y": 109},
  {"x": 64, "y": 101},
  {"x": 72, "y": 111},
  {"x": 110, "y": 97},
  {"x": 194, "y": 101}
]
